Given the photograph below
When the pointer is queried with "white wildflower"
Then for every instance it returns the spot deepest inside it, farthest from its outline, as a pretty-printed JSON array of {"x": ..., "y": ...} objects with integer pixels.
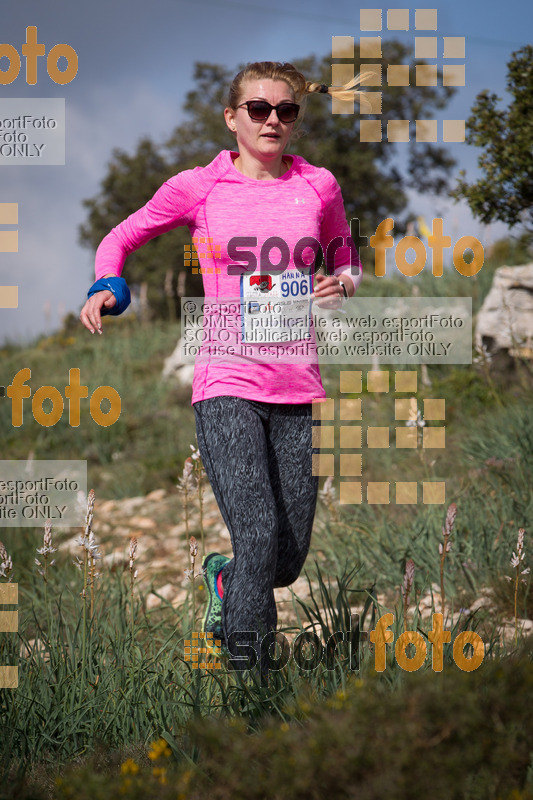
[
  {"x": 328, "y": 491},
  {"x": 416, "y": 423},
  {"x": 484, "y": 357},
  {"x": 6, "y": 563}
]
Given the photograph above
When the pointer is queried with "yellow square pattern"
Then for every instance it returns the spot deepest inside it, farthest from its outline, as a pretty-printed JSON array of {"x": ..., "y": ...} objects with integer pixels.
[
  {"x": 9, "y": 296},
  {"x": 9, "y": 621},
  {"x": 453, "y": 75},
  {"x": 398, "y": 130},
  {"x": 350, "y": 493},
  {"x": 9, "y": 677},
  {"x": 370, "y": 130},
  {"x": 433, "y": 492},
  {"x": 323, "y": 464},
  {"x": 406, "y": 493},
  {"x": 9, "y": 212},
  {"x": 370, "y": 47},
  {"x": 434, "y": 409},
  {"x": 425, "y": 47},
  {"x": 323, "y": 436},
  {"x": 373, "y": 74},
  {"x": 370, "y": 102},
  {"x": 378, "y": 492},
  {"x": 351, "y": 436},
  {"x": 426, "y": 130},
  {"x": 342, "y": 47},
  {"x": 405, "y": 381},
  {"x": 405, "y": 408},
  {"x": 398, "y": 19},
  {"x": 9, "y": 242},
  {"x": 9, "y": 592},
  {"x": 454, "y": 46},
  {"x": 426, "y": 74},
  {"x": 426, "y": 19},
  {"x": 370, "y": 19},
  {"x": 339, "y": 106},
  {"x": 398, "y": 75},
  {"x": 406, "y": 438},
  {"x": 434, "y": 437},
  {"x": 453, "y": 130},
  {"x": 351, "y": 381},
  {"x": 351, "y": 464},
  {"x": 323, "y": 409},
  {"x": 193, "y": 651},
  {"x": 341, "y": 74},
  {"x": 377, "y": 381},
  {"x": 350, "y": 408}
]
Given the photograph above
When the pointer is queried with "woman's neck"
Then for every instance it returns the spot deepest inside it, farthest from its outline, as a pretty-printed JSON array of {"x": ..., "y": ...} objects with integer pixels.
[{"x": 260, "y": 171}]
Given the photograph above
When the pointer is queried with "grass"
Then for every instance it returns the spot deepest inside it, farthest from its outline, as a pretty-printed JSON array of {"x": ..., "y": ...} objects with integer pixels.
[
  {"x": 107, "y": 704},
  {"x": 140, "y": 451}
]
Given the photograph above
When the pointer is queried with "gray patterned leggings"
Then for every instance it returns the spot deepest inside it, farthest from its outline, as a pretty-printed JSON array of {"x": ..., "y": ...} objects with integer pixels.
[{"x": 258, "y": 460}]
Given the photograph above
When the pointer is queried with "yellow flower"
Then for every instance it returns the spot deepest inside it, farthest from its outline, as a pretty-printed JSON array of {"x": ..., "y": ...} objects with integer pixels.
[
  {"x": 284, "y": 726},
  {"x": 129, "y": 766},
  {"x": 160, "y": 773},
  {"x": 159, "y": 748}
]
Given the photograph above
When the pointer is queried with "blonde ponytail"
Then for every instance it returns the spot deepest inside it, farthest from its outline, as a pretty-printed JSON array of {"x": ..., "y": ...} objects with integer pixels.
[{"x": 346, "y": 92}]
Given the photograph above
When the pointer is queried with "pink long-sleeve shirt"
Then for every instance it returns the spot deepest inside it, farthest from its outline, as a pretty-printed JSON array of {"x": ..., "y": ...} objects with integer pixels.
[{"x": 219, "y": 203}]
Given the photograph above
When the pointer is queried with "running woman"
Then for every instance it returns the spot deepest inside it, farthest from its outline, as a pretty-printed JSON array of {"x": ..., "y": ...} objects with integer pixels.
[{"x": 253, "y": 416}]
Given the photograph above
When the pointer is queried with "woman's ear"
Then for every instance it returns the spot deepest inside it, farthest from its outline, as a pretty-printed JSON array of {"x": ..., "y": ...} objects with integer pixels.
[{"x": 229, "y": 116}]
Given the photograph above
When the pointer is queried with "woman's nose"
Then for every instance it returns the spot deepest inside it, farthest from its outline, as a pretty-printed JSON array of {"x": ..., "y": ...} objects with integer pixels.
[{"x": 275, "y": 119}]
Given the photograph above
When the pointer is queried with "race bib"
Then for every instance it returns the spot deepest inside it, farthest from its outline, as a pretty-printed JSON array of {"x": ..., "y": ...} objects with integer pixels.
[{"x": 276, "y": 308}]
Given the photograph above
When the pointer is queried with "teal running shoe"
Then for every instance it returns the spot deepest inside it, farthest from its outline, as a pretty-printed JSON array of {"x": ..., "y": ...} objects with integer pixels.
[{"x": 212, "y": 620}]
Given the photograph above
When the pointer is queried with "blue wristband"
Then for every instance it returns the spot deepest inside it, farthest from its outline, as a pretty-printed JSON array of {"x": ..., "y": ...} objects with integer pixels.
[{"x": 119, "y": 287}]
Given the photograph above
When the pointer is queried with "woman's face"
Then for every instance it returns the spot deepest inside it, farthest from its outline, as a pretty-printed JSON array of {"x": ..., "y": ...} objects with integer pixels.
[{"x": 263, "y": 140}]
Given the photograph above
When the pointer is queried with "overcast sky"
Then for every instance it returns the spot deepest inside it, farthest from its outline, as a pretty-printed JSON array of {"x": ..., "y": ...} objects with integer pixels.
[{"x": 135, "y": 66}]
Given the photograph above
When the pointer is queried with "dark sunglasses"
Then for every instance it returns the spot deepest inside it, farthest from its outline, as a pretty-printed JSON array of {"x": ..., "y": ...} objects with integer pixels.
[{"x": 260, "y": 110}]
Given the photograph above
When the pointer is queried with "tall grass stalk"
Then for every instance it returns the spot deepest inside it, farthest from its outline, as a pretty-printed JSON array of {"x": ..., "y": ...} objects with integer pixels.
[
  {"x": 444, "y": 549},
  {"x": 516, "y": 562},
  {"x": 185, "y": 487},
  {"x": 133, "y": 576},
  {"x": 45, "y": 551},
  {"x": 408, "y": 581},
  {"x": 192, "y": 575},
  {"x": 84, "y": 565},
  {"x": 199, "y": 475}
]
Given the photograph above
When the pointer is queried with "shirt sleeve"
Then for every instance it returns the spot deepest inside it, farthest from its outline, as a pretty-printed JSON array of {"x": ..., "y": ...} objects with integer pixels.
[
  {"x": 342, "y": 259},
  {"x": 174, "y": 204}
]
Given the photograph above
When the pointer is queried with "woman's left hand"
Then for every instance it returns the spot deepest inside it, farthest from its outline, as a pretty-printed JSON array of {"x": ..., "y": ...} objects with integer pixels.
[{"x": 328, "y": 290}]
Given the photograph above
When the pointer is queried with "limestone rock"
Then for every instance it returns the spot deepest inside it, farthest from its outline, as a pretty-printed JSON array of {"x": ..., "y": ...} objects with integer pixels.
[{"x": 505, "y": 320}]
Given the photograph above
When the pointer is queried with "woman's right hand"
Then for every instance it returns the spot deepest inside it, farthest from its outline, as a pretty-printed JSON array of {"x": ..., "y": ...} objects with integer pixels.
[{"x": 90, "y": 314}]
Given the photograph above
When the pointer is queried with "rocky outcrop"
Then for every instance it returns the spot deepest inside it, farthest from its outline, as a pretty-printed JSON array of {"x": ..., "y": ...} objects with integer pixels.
[{"x": 505, "y": 320}]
